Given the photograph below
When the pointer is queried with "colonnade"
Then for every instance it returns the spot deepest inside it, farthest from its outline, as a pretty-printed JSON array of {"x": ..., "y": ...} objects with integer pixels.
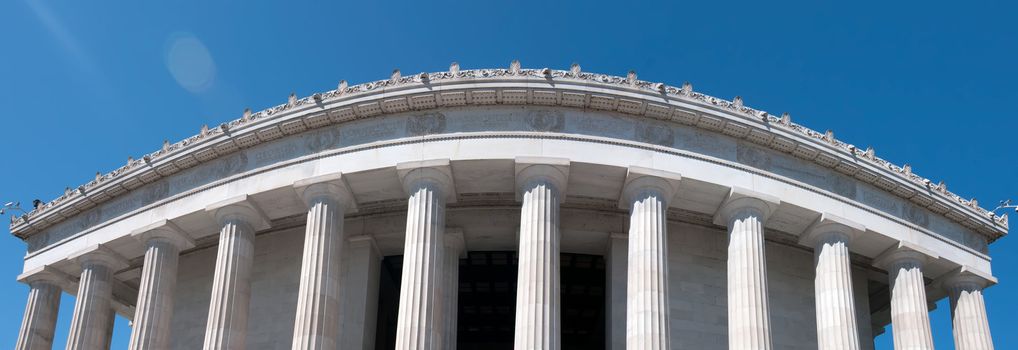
[{"x": 427, "y": 301}]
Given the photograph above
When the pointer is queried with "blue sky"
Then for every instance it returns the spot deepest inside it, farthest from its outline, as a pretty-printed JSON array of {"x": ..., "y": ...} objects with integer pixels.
[{"x": 83, "y": 86}]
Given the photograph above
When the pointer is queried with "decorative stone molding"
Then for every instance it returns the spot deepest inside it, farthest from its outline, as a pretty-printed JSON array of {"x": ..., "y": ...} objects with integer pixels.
[
  {"x": 166, "y": 230},
  {"x": 102, "y": 255},
  {"x": 965, "y": 275},
  {"x": 49, "y": 274},
  {"x": 904, "y": 251},
  {"x": 242, "y": 208},
  {"x": 570, "y": 89},
  {"x": 641, "y": 179},
  {"x": 333, "y": 186},
  {"x": 827, "y": 224},
  {"x": 554, "y": 170},
  {"x": 437, "y": 171},
  {"x": 742, "y": 199}
]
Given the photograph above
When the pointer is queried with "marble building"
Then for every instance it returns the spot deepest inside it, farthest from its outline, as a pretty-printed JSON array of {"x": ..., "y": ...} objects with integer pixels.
[{"x": 508, "y": 208}]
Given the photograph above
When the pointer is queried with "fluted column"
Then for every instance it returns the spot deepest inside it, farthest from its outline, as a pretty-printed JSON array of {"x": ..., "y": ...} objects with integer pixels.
[
  {"x": 646, "y": 194},
  {"x": 316, "y": 324},
  {"x": 39, "y": 322},
  {"x": 429, "y": 185},
  {"x": 837, "y": 328},
  {"x": 163, "y": 242},
  {"x": 540, "y": 183},
  {"x": 231, "y": 283},
  {"x": 910, "y": 319},
  {"x": 968, "y": 312},
  {"x": 450, "y": 282},
  {"x": 749, "y": 324},
  {"x": 90, "y": 326}
]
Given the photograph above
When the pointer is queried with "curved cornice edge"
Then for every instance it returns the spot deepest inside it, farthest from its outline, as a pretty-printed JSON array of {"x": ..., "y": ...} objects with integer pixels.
[{"x": 515, "y": 86}]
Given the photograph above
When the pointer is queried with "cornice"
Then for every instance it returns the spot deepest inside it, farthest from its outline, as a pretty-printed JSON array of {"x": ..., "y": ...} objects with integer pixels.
[{"x": 516, "y": 86}]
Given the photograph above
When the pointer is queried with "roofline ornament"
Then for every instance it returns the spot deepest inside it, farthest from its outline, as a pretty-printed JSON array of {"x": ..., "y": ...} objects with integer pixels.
[{"x": 630, "y": 81}]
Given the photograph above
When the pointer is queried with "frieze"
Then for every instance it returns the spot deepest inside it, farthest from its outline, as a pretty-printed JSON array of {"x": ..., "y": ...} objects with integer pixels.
[
  {"x": 485, "y": 121},
  {"x": 426, "y": 124},
  {"x": 655, "y": 133},
  {"x": 629, "y": 84},
  {"x": 545, "y": 120},
  {"x": 601, "y": 126}
]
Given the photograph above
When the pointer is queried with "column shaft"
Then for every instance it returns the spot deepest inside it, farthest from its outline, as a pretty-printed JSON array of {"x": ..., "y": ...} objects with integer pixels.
[
  {"x": 968, "y": 316},
  {"x": 837, "y": 328},
  {"x": 154, "y": 309},
  {"x": 92, "y": 309},
  {"x": 317, "y": 321},
  {"x": 748, "y": 307},
  {"x": 231, "y": 287},
  {"x": 419, "y": 326},
  {"x": 450, "y": 282},
  {"x": 537, "y": 294},
  {"x": 40, "y": 317},
  {"x": 910, "y": 319},
  {"x": 647, "y": 321}
]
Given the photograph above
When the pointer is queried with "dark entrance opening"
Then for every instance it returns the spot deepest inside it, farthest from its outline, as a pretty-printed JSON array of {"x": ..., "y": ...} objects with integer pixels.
[
  {"x": 388, "y": 302},
  {"x": 487, "y": 301},
  {"x": 583, "y": 301}
]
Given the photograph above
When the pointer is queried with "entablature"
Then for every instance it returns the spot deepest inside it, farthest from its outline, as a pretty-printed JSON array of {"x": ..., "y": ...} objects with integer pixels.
[{"x": 514, "y": 86}]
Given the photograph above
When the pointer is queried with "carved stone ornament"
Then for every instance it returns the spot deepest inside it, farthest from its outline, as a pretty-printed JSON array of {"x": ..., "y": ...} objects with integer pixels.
[{"x": 631, "y": 81}]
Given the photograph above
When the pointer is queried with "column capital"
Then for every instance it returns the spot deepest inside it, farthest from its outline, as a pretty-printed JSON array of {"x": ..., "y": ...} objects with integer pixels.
[
  {"x": 829, "y": 226},
  {"x": 553, "y": 170},
  {"x": 332, "y": 186},
  {"x": 239, "y": 208},
  {"x": 47, "y": 274},
  {"x": 434, "y": 171},
  {"x": 100, "y": 254},
  {"x": 740, "y": 199},
  {"x": 640, "y": 179},
  {"x": 164, "y": 230},
  {"x": 454, "y": 239},
  {"x": 966, "y": 277},
  {"x": 902, "y": 252}
]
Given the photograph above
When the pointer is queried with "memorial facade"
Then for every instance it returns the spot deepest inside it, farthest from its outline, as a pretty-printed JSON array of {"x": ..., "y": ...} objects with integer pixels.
[{"x": 508, "y": 208}]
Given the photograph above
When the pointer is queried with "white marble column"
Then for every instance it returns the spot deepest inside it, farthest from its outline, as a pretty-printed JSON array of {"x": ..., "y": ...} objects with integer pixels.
[
  {"x": 238, "y": 218},
  {"x": 429, "y": 185},
  {"x": 910, "y": 319},
  {"x": 540, "y": 185},
  {"x": 450, "y": 281},
  {"x": 616, "y": 258},
  {"x": 749, "y": 323},
  {"x": 163, "y": 242},
  {"x": 837, "y": 328},
  {"x": 111, "y": 319},
  {"x": 968, "y": 312},
  {"x": 359, "y": 292},
  {"x": 316, "y": 324},
  {"x": 90, "y": 326},
  {"x": 646, "y": 194},
  {"x": 40, "y": 319}
]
